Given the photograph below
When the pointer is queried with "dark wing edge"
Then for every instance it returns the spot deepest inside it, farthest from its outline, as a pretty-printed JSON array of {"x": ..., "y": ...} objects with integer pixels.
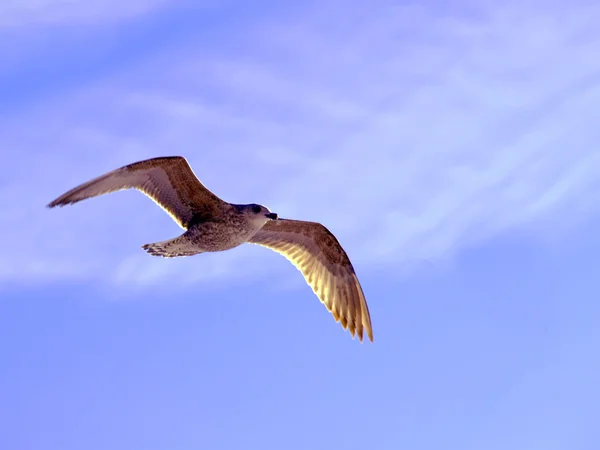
[
  {"x": 169, "y": 181},
  {"x": 315, "y": 251}
]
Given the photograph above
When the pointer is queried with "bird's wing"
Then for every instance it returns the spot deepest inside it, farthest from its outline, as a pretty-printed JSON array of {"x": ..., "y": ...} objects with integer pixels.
[
  {"x": 326, "y": 268},
  {"x": 169, "y": 181}
]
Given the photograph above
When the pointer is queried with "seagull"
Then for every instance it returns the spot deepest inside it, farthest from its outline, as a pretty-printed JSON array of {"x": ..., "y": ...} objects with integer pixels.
[{"x": 213, "y": 225}]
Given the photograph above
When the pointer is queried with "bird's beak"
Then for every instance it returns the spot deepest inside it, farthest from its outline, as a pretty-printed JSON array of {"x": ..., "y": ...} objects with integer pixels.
[{"x": 272, "y": 216}]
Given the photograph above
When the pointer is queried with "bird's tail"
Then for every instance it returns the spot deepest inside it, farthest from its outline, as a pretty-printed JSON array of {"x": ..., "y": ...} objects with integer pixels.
[{"x": 180, "y": 246}]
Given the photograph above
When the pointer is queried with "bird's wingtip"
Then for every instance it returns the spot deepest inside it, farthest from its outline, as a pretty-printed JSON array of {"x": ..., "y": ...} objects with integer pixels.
[{"x": 361, "y": 336}]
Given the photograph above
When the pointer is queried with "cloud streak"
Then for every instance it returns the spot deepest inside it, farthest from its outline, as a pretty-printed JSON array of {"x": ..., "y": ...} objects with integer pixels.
[
  {"x": 409, "y": 132},
  {"x": 55, "y": 12}
]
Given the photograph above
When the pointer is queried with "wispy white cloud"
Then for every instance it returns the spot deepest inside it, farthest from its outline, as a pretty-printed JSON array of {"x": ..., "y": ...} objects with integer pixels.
[
  {"x": 408, "y": 132},
  {"x": 36, "y": 12}
]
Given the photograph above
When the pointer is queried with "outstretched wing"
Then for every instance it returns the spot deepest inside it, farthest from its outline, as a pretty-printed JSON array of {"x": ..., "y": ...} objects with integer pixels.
[
  {"x": 169, "y": 181},
  {"x": 326, "y": 268}
]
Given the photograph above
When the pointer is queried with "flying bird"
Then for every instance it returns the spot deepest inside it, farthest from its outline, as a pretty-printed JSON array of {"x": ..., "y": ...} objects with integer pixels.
[{"x": 212, "y": 225}]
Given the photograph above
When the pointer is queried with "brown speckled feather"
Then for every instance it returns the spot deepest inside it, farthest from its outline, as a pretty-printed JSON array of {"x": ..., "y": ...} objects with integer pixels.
[
  {"x": 326, "y": 268},
  {"x": 169, "y": 181}
]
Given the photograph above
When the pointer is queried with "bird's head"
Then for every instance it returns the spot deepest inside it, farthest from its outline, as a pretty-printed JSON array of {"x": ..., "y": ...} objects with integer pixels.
[{"x": 259, "y": 212}]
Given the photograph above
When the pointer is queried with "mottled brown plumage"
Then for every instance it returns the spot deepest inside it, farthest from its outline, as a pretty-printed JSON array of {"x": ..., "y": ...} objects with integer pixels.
[
  {"x": 213, "y": 225},
  {"x": 169, "y": 181},
  {"x": 325, "y": 265}
]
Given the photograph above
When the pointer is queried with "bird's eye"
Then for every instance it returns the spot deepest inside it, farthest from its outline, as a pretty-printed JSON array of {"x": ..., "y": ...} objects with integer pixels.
[{"x": 256, "y": 209}]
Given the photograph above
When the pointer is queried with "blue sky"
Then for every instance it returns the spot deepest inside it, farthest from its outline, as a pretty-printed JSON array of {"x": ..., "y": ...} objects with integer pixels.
[{"x": 452, "y": 148}]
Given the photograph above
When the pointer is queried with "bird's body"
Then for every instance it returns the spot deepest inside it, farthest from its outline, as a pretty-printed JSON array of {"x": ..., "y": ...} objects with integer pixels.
[
  {"x": 228, "y": 231},
  {"x": 224, "y": 231},
  {"x": 213, "y": 225}
]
